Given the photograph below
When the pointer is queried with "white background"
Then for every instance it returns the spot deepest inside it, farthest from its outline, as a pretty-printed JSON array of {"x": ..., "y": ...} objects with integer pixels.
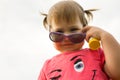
[{"x": 24, "y": 43}]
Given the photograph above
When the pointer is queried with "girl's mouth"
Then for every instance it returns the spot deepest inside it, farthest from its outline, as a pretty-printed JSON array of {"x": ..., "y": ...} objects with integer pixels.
[{"x": 68, "y": 44}]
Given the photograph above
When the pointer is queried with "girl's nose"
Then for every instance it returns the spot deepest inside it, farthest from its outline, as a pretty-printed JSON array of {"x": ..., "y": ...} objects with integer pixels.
[{"x": 66, "y": 38}]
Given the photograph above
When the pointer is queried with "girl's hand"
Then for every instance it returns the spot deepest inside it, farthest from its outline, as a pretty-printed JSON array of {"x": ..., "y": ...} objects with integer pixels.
[
  {"x": 110, "y": 47},
  {"x": 94, "y": 32}
]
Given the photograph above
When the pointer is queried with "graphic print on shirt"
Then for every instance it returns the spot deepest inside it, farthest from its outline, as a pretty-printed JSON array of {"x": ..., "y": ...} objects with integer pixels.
[
  {"x": 81, "y": 65},
  {"x": 78, "y": 67}
]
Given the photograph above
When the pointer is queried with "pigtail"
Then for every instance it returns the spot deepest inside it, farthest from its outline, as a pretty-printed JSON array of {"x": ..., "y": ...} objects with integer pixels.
[
  {"x": 45, "y": 23},
  {"x": 89, "y": 14}
]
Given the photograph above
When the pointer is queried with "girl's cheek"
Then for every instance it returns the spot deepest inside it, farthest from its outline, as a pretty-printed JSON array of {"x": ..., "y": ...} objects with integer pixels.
[{"x": 57, "y": 46}]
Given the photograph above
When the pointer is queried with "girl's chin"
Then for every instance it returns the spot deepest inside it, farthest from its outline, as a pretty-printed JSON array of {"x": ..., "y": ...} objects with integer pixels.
[{"x": 69, "y": 50}]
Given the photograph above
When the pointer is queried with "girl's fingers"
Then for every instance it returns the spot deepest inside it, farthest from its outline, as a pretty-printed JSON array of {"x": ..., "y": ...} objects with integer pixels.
[{"x": 86, "y": 30}]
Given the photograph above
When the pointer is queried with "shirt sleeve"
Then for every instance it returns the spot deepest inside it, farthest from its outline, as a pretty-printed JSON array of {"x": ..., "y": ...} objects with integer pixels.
[
  {"x": 42, "y": 75},
  {"x": 102, "y": 57}
]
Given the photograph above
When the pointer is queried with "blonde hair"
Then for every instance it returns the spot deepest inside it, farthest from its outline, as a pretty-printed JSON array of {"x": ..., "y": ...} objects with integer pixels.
[{"x": 67, "y": 11}]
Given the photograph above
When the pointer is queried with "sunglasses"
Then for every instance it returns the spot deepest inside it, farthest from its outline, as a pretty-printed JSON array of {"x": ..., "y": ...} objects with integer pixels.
[{"x": 74, "y": 37}]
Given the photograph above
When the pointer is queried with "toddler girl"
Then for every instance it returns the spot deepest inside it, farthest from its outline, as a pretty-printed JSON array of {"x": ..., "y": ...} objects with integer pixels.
[{"x": 66, "y": 21}]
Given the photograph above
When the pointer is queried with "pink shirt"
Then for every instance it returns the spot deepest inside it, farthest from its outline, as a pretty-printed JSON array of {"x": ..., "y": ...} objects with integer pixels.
[{"x": 84, "y": 64}]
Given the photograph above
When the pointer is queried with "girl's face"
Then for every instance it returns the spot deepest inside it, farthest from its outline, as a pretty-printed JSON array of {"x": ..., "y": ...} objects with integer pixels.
[{"x": 67, "y": 28}]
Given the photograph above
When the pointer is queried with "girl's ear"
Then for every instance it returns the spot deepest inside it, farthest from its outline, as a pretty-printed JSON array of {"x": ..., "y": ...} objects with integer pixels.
[{"x": 45, "y": 23}]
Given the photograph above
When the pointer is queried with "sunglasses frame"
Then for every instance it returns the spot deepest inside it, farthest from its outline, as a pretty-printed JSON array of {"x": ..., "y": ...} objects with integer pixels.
[{"x": 69, "y": 36}]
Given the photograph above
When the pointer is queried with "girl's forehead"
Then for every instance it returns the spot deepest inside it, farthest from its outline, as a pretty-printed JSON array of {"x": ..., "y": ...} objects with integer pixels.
[
  {"x": 66, "y": 25},
  {"x": 64, "y": 21}
]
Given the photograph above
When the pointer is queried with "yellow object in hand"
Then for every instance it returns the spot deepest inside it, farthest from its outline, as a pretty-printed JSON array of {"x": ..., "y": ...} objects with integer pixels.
[{"x": 94, "y": 44}]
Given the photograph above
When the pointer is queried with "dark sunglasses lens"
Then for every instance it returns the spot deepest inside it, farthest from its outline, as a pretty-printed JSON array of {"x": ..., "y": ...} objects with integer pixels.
[
  {"x": 56, "y": 37},
  {"x": 77, "y": 38}
]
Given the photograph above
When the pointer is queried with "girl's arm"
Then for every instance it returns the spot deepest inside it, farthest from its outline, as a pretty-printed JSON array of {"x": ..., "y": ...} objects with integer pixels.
[
  {"x": 112, "y": 55},
  {"x": 111, "y": 49}
]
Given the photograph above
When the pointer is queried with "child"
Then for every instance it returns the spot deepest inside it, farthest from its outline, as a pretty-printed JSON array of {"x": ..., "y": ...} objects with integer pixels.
[{"x": 68, "y": 29}]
